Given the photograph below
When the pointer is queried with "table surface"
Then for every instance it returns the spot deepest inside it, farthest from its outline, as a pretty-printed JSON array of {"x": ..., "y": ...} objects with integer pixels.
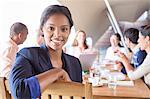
[{"x": 139, "y": 90}]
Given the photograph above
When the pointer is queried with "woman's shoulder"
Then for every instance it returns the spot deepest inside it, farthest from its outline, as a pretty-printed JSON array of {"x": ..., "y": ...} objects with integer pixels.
[
  {"x": 146, "y": 62},
  {"x": 110, "y": 49},
  {"x": 29, "y": 51},
  {"x": 147, "y": 58}
]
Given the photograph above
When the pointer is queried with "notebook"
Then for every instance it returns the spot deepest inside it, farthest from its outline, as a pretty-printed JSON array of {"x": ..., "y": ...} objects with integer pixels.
[{"x": 87, "y": 60}]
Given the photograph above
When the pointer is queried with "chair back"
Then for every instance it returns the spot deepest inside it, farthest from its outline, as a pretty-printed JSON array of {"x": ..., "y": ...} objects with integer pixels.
[
  {"x": 4, "y": 89},
  {"x": 68, "y": 90}
]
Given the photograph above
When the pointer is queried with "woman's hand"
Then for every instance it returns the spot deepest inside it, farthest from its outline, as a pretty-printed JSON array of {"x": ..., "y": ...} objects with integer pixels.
[
  {"x": 64, "y": 76},
  {"x": 125, "y": 61},
  {"x": 119, "y": 65},
  {"x": 123, "y": 57},
  {"x": 50, "y": 76}
]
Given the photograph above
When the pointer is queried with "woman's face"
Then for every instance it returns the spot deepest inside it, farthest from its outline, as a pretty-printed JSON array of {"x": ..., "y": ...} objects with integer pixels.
[
  {"x": 142, "y": 41},
  {"x": 114, "y": 41},
  {"x": 81, "y": 37},
  {"x": 56, "y": 31}
]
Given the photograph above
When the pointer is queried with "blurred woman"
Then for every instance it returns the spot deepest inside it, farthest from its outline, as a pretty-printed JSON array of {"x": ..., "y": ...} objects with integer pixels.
[
  {"x": 80, "y": 45},
  {"x": 40, "y": 38},
  {"x": 115, "y": 45}
]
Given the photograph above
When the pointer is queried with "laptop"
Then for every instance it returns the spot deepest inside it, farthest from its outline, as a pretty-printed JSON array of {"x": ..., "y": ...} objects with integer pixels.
[{"x": 87, "y": 60}]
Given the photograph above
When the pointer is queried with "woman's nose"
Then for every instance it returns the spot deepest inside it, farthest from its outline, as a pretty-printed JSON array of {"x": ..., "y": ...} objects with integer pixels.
[{"x": 57, "y": 33}]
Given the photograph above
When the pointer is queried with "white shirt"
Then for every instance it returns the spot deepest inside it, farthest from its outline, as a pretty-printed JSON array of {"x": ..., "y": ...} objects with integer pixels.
[
  {"x": 77, "y": 51},
  {"x": 110, "y": 55},
  {"x": 7, "y": 57},
  {"x": 142, "y": 70}
]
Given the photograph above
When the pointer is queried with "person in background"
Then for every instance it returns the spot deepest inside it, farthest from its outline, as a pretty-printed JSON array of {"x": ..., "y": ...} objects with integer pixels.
[
  {"x": 18, "y": 34},
  {"x": 144, "y": 68},
  {"x": 137, "y": 55},
  {"x": 115, "y": 40},
  {"x": 40, "y": 38},
  {"x": 38, "y": 67},
  {"x": 79, "y": 45}
]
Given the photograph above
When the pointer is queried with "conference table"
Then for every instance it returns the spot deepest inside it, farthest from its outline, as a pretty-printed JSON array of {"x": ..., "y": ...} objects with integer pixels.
[{"x": 139, "y": 90}]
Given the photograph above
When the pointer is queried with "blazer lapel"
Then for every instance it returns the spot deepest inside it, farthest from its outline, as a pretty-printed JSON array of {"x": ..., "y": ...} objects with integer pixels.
[{"x": 44, "y": 58}]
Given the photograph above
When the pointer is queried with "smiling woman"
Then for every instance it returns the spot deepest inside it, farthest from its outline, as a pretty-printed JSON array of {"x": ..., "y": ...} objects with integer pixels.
[
  {"x": 56, "y": 31},
  {"x": 37, "y": 67}
]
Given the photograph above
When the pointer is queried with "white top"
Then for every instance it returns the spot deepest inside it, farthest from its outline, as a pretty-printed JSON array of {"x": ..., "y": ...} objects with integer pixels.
[
  {"x": 142, "y": 70},
  {"x": 110, "y": 55},
  {"x": 77, "y": 52},
  {"x": 7, "y": 57}
]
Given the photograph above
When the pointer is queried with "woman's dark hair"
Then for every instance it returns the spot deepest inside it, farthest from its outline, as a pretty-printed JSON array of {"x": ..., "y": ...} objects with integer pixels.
[
  {"x": 132, "y": 34},
  {"x": 119, "y": 38},
  {"x": 55, "y": 9},
  {"x": 145, "y": 30}
]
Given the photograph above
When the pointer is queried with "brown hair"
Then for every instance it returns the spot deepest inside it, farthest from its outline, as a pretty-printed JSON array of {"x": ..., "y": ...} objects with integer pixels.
[{"x": 75, "y": 43}]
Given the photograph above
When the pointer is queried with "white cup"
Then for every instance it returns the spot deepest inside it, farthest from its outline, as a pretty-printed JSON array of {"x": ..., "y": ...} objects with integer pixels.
[{"x": 95, "y": 81}]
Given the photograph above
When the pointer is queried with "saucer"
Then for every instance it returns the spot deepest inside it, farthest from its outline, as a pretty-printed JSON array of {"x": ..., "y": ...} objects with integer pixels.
[{"x": 98, "y": 85}]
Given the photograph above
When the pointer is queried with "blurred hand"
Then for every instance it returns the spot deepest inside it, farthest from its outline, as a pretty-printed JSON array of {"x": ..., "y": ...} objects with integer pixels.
[
  {"x": 119, "y": 65},
  {"x": 122, "y": 56}
]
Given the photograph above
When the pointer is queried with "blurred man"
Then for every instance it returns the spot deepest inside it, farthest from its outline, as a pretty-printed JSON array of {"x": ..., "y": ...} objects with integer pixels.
[{"x": 18, "y": 34}]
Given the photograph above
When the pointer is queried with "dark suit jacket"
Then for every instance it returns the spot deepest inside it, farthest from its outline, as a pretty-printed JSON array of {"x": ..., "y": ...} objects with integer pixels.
[{"x": 33, "y": 61}]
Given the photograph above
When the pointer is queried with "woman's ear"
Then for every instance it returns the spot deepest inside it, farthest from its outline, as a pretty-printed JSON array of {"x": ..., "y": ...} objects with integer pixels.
[
  {"x": 147, "y": 38},
  {"x": 41, "y": 32}
]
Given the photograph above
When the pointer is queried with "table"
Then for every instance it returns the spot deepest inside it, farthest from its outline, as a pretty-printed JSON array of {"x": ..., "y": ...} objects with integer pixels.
[{"x": 139, "y": 90}]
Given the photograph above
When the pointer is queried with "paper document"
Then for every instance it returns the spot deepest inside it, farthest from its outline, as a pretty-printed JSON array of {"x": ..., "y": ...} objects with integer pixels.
[{"x": 125, "y": 83}]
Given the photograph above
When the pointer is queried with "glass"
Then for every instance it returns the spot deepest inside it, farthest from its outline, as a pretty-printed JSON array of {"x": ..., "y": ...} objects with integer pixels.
[
  {"x": 95, "y": 76},
  {"x": 115, "y": 68},
  {"x": 112, "y": 82},
  {"x": 95, "y": 81}
]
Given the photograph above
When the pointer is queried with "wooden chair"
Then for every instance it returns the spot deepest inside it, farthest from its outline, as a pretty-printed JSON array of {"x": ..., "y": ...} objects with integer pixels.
[
  {"x": 57, "y": 90},
  {"x": 4, "y": 89},
  {"x": 68, "y": 90}
]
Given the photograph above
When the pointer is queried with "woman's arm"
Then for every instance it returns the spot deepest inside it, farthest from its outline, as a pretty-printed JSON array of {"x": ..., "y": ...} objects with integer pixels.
[
  {"x": 51, "y": 76},
  {"x": 26, "y": 83},
  {"x": 125, "y": 61},
  {"x": 132, "y": 73}
]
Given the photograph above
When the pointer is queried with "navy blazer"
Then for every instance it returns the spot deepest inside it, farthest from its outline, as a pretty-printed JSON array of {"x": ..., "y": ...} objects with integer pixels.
[{"x": 33, "y": 61}]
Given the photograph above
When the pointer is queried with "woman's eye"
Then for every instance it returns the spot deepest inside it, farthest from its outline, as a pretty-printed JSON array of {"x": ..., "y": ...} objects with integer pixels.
[
  {"x": 64, "y": 29},
  {"x": 51, "y": 28}
]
